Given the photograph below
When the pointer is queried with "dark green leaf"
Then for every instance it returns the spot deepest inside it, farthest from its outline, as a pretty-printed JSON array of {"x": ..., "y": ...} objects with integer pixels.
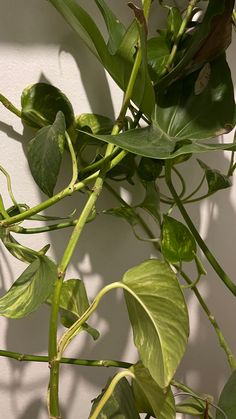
[
  {"x": 126, "y": 213},
  {"x": 158, "y": 52},
  {"x": 84, "y": 25},
  {"x": 115, "y": 28},
  {"x": 177, "y": 243},
  {"x": 149, "y": 169},
  {"x": 215, "y": 179},
  {"x": 45, "y": 154},
  {"x": 200, "y": 106},
  {"x": 174, "y": 21},
  {"x": 30, "y": 290},
  {"x": 124, "y": 170},
  {"x": 149, "y": 397},
  {"x": 215, "y": 8},
  {"x": 227, "y": 401},
  {"x": 154, "y": 143},
  {"x": 151, "y": 202},
  {"x": 120, "y": 405},
  {"x": 73, "y": 303},
  {"x": 41, "y": 102},
  {"x": 98, "y": 124},
  {"x": 158, "y": 316}
]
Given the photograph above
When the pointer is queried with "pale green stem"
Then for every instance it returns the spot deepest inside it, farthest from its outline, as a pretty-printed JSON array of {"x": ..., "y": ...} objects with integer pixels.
[
  {"x": 187, "y": 17},
  {"x": 9, "y": 187},
  {"x": 73, "y": 160},
  {"x": 109, "y": 391},
  {"x": 10, "y": 106},
  {"x": 73, "y": 361}
]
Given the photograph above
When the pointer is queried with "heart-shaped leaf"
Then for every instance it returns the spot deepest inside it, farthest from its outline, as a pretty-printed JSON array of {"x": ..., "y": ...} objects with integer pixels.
[
  {"x": 45, "y": 152},
  {"x": 149, "y": 397},
  {"x": 158, "y": 316},
  {"x": 200, "y": 106},
  {"x": 177, "y": 243},
  {"x": 30, "y": 290},
  {"x": 41, "y": 102},
  {"x": 215, "y": 179}
]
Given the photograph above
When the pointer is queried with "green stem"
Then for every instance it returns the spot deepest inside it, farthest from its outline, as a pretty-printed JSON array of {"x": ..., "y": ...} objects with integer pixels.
[
  {"x": 3, "y": 211},
  {"x": 187, "y": 17},
  {"x": 185, "y": 200},
  {"x": 210, "y": 257},
  {"x": 73, "y": 361},
  {"x": 53, "y": 353},
  {"x": 48, "y": 203},
  {"x": 10, "y": 106},
  {"x": 222, "y": 341},
  {"x": 44, "y": 229},
  {"x": 9, "y": 187},
  {"x": 109, "y": 391},
  {"x": 72, "y": 331},
  {"x": 18, "y": 246},
  {"x": 73, "y": 160}
]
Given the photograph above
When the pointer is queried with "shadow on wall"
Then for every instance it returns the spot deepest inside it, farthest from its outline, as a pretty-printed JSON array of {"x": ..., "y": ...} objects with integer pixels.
[{"x": 115, "y": 249}]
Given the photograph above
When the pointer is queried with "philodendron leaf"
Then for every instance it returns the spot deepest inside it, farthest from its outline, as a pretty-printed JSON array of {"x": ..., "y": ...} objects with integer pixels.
[
  {"x": 30, "y": 290},
  {"x": 115, "y": 28},
  {"x": 41, "y": 102},
  {"x": 227, "y": 401},
  {"x": 200, "y": 106},
  {"x": 45, "y": 152},
  {"x": 73, "y": 303},
  {"x": 158, "y": 316},
  {"x": 149, "y": 397},
  {"x": 177, "y": 243},
  {"x": 215, "y": 179},
  {"x": 120, "y": 405}
]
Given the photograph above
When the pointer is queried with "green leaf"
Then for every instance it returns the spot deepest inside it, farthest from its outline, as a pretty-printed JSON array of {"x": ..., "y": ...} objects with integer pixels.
[
  {"x": 158, "y": 52},
  {"x": 126, "y": 213},
  {"x": 41, "y": 102},
  {"x": 174, "y": 22},
  {"x": 200, "y": 106},
  {"x": 115, "y": 28},
  {"x": 119, "y": 65},
  {"x": 158, "y": 316},
  {"x": 215, "y": 8},
  {"x": 151, "y": 202},
  {"x": 84, "y": 26},
  {"x": 149, "y": 397},
  {"x": 73, "y": 303},
  {"x": 149, "y": 169},
  {"x": 120, "y": 405},
  {"x": 215, "y": 179},
  {"x": 124, "y": 170},
  {"x": 227, "y": 401},
  {"x": 98, "y": 124},
  {"x": 45, "y": 152},
  {"x": 30, "y": 290},
  {"x": 193, "y": 407},
  {"x": 177, "y": 243}
]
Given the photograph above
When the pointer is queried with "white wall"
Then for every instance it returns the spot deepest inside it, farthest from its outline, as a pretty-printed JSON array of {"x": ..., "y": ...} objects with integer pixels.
[{"x": 36, "y": 44}]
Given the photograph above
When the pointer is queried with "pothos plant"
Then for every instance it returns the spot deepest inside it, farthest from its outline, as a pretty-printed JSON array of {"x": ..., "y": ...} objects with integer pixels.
[{"x": 178, "y": 95}]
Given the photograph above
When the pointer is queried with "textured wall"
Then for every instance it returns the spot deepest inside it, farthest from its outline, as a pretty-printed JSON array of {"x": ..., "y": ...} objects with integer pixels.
[{"x": 36, "y": 44}]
